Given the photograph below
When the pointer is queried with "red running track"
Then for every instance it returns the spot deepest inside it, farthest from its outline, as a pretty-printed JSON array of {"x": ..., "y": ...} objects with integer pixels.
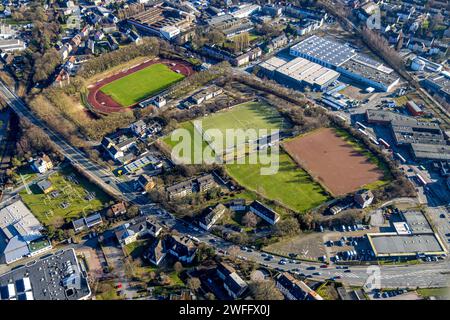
[{"x": 104, "y": 103}]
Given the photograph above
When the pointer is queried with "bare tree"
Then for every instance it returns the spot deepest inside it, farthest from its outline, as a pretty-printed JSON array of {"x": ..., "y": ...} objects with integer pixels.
[
  {"x": 265, "y": 290},
  {"x": 250, "y": 220}
]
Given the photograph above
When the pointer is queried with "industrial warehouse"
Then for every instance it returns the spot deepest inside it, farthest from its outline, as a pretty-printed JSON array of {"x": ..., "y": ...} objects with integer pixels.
[
  {"x": 347, "y": 62},
  {"x": 299, "y": 73},
  {"x": 413, "y": 236},
  {"x": 439, "y": 83},
  {"x": 64, "y": 279},
  {"x": 20, "y": 233},
  {"x": 162, "y": 22},
  {"x": 425, "y": 139}
]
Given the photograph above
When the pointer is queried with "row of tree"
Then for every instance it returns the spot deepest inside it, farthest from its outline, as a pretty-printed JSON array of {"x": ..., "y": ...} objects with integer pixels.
[{"x": 149, "y": 47}]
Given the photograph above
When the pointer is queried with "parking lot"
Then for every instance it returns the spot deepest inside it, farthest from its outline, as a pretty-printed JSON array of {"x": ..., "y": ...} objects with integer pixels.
[{"x": 349, "y": 245}]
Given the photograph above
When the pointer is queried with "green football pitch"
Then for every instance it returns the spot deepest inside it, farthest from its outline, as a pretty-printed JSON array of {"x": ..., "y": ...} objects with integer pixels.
[
  {"x": 141, "y": 84},
  {"x": 249, "y": 115},
  {"x": 290, "y": 185}
]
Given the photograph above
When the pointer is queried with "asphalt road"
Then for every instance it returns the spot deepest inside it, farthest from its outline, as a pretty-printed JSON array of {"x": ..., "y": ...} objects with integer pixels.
[
  {"x": 74, "y": 155},
  {"x": 421, "y": 275},
  {"x": 433, "y": 274}
]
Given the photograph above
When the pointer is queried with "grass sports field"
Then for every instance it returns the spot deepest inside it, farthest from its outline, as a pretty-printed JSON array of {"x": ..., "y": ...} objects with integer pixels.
[
  {"x": 195, "y": 154},
  {"x": 249, "y": 115},
  {"x": 73, "y": 190},
  {"x": 141, "y": 84},
  {"x": 291, "y": 185}
]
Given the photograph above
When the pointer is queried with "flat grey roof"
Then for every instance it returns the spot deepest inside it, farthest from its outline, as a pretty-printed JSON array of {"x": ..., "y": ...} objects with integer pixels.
[
  {"x": 17, "y": 219},
  {"x": 441, "y": 81},
  {"x": 417, "y": 222},
  {"x": 398, "y": 245},
  {"x": 408, "y": 130},
  {"x": 54, "y": 277},
  {"x": 273, "y": 63},
  {"x": 369, "y": 71},
  {"x": 326, "y": 50},
  {"x": 431, "y": 151},
  {"x": 387, "y": 116},
  {"x": 304, "y": 70}
]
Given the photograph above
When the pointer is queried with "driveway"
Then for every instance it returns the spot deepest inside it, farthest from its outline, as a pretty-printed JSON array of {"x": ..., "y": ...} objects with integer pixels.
[{"x": 115, "y": 258}]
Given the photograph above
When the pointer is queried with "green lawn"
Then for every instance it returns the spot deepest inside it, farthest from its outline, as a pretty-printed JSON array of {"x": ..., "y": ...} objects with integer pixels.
[
  {"x": 249, "y": 115},
  {"x": 48, "y": 210},
  {"x": 136, "y": 249},
  {"x": 195, "y": 137},
  {"x": 434, "y": 292},
  {"x": 141, "y": 84},
  {"x": 291, "y": 185}
]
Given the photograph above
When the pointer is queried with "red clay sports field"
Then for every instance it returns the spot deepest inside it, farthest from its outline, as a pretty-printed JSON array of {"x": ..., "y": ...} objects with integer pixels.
[{"x": 104, "y": 103}]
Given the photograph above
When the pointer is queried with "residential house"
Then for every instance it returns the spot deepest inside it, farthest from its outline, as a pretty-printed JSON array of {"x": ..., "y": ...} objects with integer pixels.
[
  {"x": 237, "y": 205},
  {"x": 180, "y": 190},
  {"x": 272, "y": 10},
  {"x": 264, "y": 212},
  {"x": 305, "y": 26},
  {"x": 93, "y": 220},
  {"x": 181, "y": 247},
  {"x": 159, "y": 101},
  {"x": 146, "y": 182},
  {"x": 134, "y": 37},
  {"x": 119, "y": 145},
  {"x": 364, "y": 198},
  {"x": 65, "y": 51},
  {"x": 62, "y": 79},
  {"x": 185, "y": 188},
  {"x": 69, "y": 65},
  {"x": 183, "y": 295},
  {"x": 155, "y": 253},
  {"x": 112, "y": 41},
  {"x": 76, "y": 40},
  {"x": 294, "y": 289},
  {"x": 98, "y": 35},
  {"x": 139, "y": 128},
  {"x": 235, "y": 59},
  {"x": 78, "y": 225},
  {"x": 42, "y": 164},
  {"x": 45, "y": 186},
  {"x": 87, "y": 222},
  {"x": 211, "y": 216},
  {"x": 85, "y": 31},
  {"x": 233, "y": 284},
  {"x": 277, "y": 43},
  {"x": 205, "y": 182},
  {"x": 138, "y": 227},
  {"x": 118, "y": 208}
]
